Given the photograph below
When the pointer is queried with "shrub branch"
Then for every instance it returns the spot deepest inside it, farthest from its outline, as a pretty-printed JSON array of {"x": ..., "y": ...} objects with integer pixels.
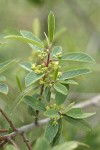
[{"x": 26, "y": 128}]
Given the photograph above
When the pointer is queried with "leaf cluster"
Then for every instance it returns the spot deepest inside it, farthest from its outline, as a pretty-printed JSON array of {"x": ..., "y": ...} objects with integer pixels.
[{"x": 50, "y": 79}]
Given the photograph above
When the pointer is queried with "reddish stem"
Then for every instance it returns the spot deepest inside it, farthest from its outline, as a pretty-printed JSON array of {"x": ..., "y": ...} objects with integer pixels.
[{"x": 48, "y": 59}]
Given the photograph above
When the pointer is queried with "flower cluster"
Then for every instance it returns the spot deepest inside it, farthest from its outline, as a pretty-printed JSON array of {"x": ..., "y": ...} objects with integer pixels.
[
  {"x": 59, "y": 111},
  {"x": 38, "y": 55},
  {"x": 58, "y": 55},
  {"x": 42, "y": 55},
  {"x": 51, "y": 72},
  {"x": 38, "y": 69}
]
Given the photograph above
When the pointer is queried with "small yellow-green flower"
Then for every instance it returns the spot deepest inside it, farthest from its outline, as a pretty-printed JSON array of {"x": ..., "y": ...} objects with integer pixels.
[
  {"x": 33, "y": 66},
  {"x": 37, "y": 71},
  {"x": 59, "y": 74}
]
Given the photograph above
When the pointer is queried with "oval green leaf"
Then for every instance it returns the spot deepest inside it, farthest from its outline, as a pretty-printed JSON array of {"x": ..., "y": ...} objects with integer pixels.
[
  {"x": 51, "y": 26},
  {"x": 30, "y": 35},
  {"x": 25, "y": 40},
  {"x": 26, "y": 66},
  {"x": 7, "y": 64},
  {"x": 69, "y": 82},
  {"x": 69, "y": 145},
  {"x": 78, "y": 56},
  {"x": 34, "y": 103},
  {"x": 60, "y": 98},
  {"x": 80, "y": 123},
  {"x": 3, "y": 88},
  {"x": 58, "y": 135},
  {"x": 77, "y": 113},
  {"x": 51, "y": 131},
  {"x": 32, "y": 77},
  {"x": 2, "y": 78},
  {"x": 43, "y": 144},
  {"x": 61, "y": 88},
  {"x": 74, "y": 73}
]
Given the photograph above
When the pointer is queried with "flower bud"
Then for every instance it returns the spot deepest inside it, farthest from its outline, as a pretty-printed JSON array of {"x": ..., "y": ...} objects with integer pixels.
[
  {"x": 33, "y": 66},
  {"x": 37, "y": 71},
  {"x": 41, "y": 81},
  {"x": 38, "y": 52},
  {"x": 59, "y": 55},
  {"x": 59, "y": 74}
]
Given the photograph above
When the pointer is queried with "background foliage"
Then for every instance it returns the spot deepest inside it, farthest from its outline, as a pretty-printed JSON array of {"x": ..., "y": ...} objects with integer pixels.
[{"x": 82, "y": 22}]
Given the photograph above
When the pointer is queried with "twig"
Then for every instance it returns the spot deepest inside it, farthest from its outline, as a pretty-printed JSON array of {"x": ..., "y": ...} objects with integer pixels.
[
  {"x": 93, "y": 101},
  {"x": 13, "y": 143},
  {"x": 82, "y": 95},
  {"x": 26, "y": 128},
  {"x": 8, "y": 120},
  {"x": 26, "y": 141},
  {"x": 42, "y": 86},
  {"x": 3, "y": 143},
  {"x": 3, "y": 130},
  {"x": 11, "y": 125}
]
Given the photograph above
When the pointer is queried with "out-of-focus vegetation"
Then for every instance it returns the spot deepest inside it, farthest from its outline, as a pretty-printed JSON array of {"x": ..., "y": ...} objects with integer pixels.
[{"x": 82, "y": 22}]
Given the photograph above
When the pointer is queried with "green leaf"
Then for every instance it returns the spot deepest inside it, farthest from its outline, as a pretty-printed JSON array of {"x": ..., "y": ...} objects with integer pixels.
[
  {"x": 25, "y": 40},
  {"x": 26, "y": 66},
  {"x": 56, "y": 50},
  {"x": 80, "y": 123},
  {"x": 30, "y": 35},
  {"x": 19, "y": 83},
  {"x": 69, "y": 82},
  {"x": 35, "y": 48},
  {"x": 69, "y": 145},
  {"x": 55, "y": 73},
  {"x": 77, "y": 113},
  {"x": 51, "y": 131},
  {"x": 78, "y": 56},
  {"x": 74, "y": 73},
  {"x": 66, "y": 146},
  {"x": 51, "y": 26},
  {"x": 58, "y": 135},
  {"x": 58, "y": 34},
  {"x": 7, "y": 64},
  {"x": 2, "y": 78},
  {"x": 34, "y": 103},
  {"x": 47, "y": 94},
  {"x": 68, "y": 108},
  {"x": 61, "y": 88},
  {"x": 32, "y": 77},
  {"x": 3, "y": 88},
  {"x": 60, "y": 98},
  {"x": 31, "y": 111},
  {"x": 51, "y": 113},
  {"x": 10, "y": 147},
  {"x": 42, "y": 144}
]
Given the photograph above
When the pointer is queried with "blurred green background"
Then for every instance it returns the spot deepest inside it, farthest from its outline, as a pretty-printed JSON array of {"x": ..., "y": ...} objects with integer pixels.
[{"x": 81, "y": 19}]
